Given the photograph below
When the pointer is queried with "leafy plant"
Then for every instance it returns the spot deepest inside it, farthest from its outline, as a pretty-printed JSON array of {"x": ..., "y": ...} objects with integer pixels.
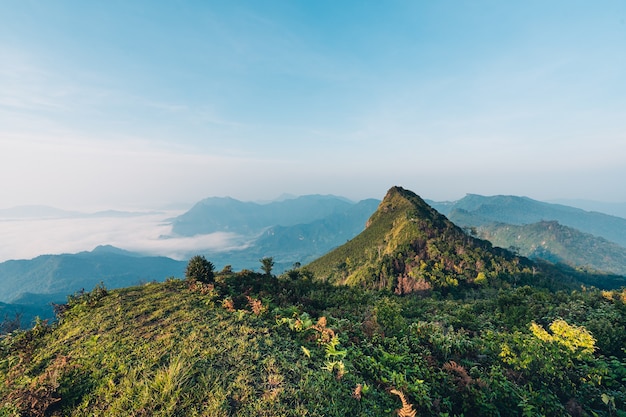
[{"x": 199, "y": 269}]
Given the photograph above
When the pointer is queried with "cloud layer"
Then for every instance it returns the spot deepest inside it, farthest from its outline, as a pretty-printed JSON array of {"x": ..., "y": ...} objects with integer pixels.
[{"x": 144, "y": 234}]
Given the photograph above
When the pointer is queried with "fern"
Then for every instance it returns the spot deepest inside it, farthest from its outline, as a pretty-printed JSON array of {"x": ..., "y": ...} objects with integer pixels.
[
  {"x": 463, "y": 379},
  {"x": 407, "y": 408},
  {"x": 306, "y": 351},
  {"x": 339, "y": 366},
  {"x": 331, "y": 349}
]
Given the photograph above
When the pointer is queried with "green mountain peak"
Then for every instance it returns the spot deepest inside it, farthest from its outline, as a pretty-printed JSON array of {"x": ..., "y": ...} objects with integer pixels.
[{"x": 408, "y": 246}]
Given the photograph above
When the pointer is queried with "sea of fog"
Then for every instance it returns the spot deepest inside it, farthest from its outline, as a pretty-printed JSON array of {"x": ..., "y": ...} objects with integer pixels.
[{"x": 148, "y": 234}]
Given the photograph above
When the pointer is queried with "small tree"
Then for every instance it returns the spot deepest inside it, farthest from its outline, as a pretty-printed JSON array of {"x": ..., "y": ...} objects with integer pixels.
[
  {"x": 199, "y": 269},
  {"x": 267, "y": 264},
  {"x": 228, "y": 269}
]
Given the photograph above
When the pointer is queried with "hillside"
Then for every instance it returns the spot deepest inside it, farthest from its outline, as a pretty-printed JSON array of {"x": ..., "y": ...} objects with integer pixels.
[
  {"x": 558, "y": 244},
  {"x": 257, "y": 345},
  {"x": 408, "y": 246},
  {"x": 65, "y": 274},
  {"x": 476, "y": 210}
]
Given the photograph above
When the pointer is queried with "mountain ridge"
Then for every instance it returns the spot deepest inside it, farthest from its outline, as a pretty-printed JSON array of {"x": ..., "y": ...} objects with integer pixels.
[
  {"x": 407, "y": 242},
  {"x": 476, "y": 210}
]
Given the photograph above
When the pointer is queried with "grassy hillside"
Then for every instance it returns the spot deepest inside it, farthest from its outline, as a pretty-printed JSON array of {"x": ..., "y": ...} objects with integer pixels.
[
  {"x": 557, "y": 243},
  {"x": 256, "y": 345}
]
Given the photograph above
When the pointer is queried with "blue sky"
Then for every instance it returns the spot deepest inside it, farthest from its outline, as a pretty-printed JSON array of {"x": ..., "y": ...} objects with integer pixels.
[{"x": 145, "y": 103}]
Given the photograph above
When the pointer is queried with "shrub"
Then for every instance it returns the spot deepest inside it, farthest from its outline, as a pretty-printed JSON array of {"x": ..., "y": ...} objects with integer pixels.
[{"x": 199, "y": 269}]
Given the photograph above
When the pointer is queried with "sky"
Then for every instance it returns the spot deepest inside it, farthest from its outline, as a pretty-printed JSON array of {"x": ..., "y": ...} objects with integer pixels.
[{"x": 125, "y": 104}]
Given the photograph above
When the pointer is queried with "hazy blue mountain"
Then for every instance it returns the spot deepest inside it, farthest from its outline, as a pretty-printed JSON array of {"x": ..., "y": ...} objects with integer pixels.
[
  {"x": 227, "y": 214},
  {"x": 556, "y": 243},
  {"x": 302, "y": 242},
  {"x": 476, "y": 210},
  {"x": 67, "y": 273},
  {"x": 47, "y": 212},
  {"x": 23, "y": 315},
  {"x": 118, "y": 213},
  {"x": 35, "y": 211},
  {"x": 614, "y": 209}
]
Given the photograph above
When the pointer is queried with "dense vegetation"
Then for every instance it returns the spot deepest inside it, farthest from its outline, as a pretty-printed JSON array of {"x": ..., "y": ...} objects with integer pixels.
[
  {"x": 253, "y": 345},
  {"x": 433, "y": 323}
]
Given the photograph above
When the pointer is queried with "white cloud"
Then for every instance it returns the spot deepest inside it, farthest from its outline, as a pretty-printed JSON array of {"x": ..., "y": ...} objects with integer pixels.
[{"x": 143, "y": 234}]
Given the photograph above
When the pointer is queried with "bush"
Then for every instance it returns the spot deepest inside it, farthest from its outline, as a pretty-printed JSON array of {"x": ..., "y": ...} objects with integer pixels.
[{"x": 199, "y": 269}]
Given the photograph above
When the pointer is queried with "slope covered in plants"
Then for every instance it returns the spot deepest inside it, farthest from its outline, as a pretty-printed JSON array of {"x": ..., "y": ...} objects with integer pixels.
[
  {"x": 257, "y": 345},
  {"x": 408, "y": 246}
]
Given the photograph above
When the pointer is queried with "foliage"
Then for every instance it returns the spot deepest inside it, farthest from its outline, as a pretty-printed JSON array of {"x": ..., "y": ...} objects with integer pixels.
[
  {"x": 176, "y": 349},
  {"x": 199, "y": 269},
  {"x": 267, "y": 264}
]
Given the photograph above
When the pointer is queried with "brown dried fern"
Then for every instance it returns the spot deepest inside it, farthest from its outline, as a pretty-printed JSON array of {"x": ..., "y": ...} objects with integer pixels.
[
  {"x": 228, "y": 304},
  {"x": 463, "y": 379},
  {"x": 407, "y": 408},
  {"x": 325, "y": 334},
  {"x": 256, "y": 305}
]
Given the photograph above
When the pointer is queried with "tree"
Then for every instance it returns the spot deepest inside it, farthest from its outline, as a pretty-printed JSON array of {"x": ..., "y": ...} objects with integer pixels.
[
  {"x": 267, "y": 264},
  {"x": 228, "y": 269},
  {"x": 199, "y": 269}
]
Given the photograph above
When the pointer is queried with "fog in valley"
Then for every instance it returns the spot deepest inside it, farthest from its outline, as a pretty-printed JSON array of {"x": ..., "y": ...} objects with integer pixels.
[{"x": 148, "y": 234}]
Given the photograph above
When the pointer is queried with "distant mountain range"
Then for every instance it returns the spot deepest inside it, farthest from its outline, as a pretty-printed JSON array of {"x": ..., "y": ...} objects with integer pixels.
[
  {"x": 476, "y": 210},
  {"x": 614, "y": 209},
  {"x": 225, "y": 214},
  {"x": 47, "y": 212},
  {"x": 551, "y": 241},
  {"x": 50, "y": 278},
  {"x": 292, "y": 230}
]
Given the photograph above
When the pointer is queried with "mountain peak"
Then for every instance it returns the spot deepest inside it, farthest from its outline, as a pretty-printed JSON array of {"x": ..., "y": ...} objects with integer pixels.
[
  {"x": 408, "y": 245},
  {"x": 399, "y": 200}
]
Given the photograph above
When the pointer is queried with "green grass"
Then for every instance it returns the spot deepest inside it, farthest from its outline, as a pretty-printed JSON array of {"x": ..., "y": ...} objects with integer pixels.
[{"x": 164, "y": 350}]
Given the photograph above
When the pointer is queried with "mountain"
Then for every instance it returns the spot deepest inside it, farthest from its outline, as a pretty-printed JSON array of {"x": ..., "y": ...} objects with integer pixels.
[
  {"x": 476, "y": 210},
  {"x": 435, "y": 323},
  {"x": 614, "y": 209},
  {"x": 301, "y": 243},
  {"x": 407, "y": 245},
  {"x": 47, "y": 212},
  {"x": 52, "y": 275},
  {"x": 554, "y": 242},
  {"x": 36, "y": 211},
  {"x": 218, "y": 214},
  {"x": 16, "y": 315}
]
